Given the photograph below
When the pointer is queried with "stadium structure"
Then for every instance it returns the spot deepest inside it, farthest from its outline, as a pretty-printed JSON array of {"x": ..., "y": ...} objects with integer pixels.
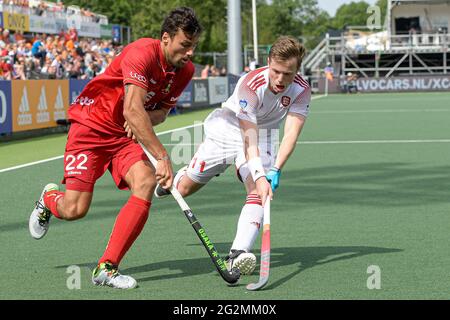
[{"x": 413, "y": 42}]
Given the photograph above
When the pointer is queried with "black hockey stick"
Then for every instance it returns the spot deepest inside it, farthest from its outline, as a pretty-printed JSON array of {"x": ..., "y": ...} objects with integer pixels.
[{"x": 231, "y": 277}]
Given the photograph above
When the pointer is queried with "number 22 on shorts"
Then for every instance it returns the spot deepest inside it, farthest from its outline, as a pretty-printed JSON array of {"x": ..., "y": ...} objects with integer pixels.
[{"x": 75, "y": 163}]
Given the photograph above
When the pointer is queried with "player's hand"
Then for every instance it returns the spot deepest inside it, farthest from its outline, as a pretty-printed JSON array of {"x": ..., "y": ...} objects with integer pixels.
[
  {"x": 129, "y": 132},
  {"x": 264, "y": 190},
  {"x": 164, "y": 173},
  {"x": 273, "y": 176}
]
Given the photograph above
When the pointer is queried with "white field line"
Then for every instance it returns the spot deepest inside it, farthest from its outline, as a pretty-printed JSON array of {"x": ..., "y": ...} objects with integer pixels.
[
  {"x": 376, "y": 141},
  {"x": 299, "y": 143},
  {"x": 340, "y": 142},
  {"x": 60, "y": 157},
  {"x": 379, "y": 111},
  {"x": 158, "y": 134},
  {"x": 201, "y": 123}
]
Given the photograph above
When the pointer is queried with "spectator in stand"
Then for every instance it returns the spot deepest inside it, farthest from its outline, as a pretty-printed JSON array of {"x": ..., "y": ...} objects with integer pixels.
[
  {"x": 21, "y": 48},
  {"x": 38, "y": 51},
  {"x": 205, "y": 72},
  {"x": 3, "y": 51},
  {"x": 57, "y": 66},
  {"x": 73, "y": 35},
  {"x": 49, "y": 44},
  {"x": 6, "y": 68},
  {"x": 19, "y": 69},
  {"x": 46, "y": 68},
  {"x": 214, "y": 72},
  {"x": 92, "y": 70},
  {"x": 6, "y": 37},
  {"x": 18, "y": 36},
  {"x": 246, "y": 70}
]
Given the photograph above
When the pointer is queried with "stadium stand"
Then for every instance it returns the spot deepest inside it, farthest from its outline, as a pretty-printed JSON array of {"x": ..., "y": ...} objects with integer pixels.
[{"x": 28, "y": 55}]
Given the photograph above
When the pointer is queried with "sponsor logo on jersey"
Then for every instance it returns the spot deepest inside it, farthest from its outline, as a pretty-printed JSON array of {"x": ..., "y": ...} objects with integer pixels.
[
  {"x": 138, "y": 77},
  {"x": 286, "y": 101},
  {"x": 243, "y": 103},
  {"x": 167, "y": 89},
  {"x": 84, "y": 101},
  {"x": 149, "y": 96}
]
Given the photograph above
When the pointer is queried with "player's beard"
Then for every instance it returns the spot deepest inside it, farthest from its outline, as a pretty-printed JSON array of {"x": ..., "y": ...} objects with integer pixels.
[{"x": 181, "y": 63}]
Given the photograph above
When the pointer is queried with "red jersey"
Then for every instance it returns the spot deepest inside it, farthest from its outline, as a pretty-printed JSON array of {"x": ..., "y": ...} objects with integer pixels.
[{"x": 142, "y": 63}]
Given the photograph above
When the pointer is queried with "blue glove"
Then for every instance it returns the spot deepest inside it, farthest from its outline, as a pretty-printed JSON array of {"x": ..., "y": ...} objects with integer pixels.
[{"x": 273, "y": 176}]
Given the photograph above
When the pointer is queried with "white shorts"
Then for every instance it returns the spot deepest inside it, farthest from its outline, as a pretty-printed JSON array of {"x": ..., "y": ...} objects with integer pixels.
[{"x": 223, "y": 147}]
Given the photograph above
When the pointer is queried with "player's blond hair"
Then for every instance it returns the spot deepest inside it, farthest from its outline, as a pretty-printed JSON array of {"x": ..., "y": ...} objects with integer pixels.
[{"x": 287, "y": 47}]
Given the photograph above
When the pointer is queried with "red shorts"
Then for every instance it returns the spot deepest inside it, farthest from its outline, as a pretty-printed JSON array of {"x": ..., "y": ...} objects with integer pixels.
[{"x": 89, "y": 153}]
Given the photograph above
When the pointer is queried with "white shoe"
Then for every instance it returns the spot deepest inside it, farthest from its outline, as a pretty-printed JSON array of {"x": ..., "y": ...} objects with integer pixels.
[
  {"x": 161, "y": 193},
  {"x": 107, "y": 275},
  {"x": 244, "y": 261},
  {"x": 40, "y": 217}
]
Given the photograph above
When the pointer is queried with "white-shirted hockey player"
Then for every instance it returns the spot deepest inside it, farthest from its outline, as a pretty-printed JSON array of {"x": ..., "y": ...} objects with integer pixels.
[{"x": 261, "y": 101}]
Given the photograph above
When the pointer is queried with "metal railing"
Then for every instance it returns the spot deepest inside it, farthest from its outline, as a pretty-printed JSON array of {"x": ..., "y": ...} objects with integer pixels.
[{"x": 345, "y": 52}]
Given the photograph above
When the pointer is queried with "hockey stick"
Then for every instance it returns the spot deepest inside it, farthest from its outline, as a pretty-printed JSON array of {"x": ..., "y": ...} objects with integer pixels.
[
  {"x": 265, "y": 252},
  {"x": 232, "y": 277}
]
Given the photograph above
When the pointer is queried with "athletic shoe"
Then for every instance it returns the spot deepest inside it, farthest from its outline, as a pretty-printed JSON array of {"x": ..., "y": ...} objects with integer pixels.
[
  {"x": 160, "y": 192},
  {"x": 242, "y": 260},
  {"x": 40, "y": 217},
  {"x": 105, "y": 274}
]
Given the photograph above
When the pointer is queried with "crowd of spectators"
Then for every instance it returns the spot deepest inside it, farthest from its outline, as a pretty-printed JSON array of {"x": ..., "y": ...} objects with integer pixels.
[
  {"x": 63, "y": 56},
  {"x": 42, "y": 8},
  {"x": 213, "y": 71}
]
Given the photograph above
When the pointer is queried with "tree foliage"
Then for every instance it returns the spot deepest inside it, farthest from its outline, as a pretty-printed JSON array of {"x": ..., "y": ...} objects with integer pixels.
[
  {"x": 300, "y": 18},
  {"x": 352, "y": 14}
]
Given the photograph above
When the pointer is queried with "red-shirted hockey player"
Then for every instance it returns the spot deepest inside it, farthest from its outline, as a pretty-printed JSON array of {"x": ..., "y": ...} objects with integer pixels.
[{"x": 139, "y": 88}]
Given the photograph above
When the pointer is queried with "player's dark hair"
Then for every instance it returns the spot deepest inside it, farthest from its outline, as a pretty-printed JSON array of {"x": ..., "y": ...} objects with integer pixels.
[
  {"x": 287, "y": 47},
  {"x": 181, "y": 18}
]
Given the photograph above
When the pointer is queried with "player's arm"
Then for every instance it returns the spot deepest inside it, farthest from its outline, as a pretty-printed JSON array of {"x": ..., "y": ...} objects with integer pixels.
[
  {"x": 249, "y": 132},
  {"x": 292, "y": 130},
  {"x": 158, "y": 115},
  {"x": 141, "y": 126}
]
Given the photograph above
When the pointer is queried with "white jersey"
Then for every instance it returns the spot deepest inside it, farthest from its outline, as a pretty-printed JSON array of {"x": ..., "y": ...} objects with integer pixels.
[{"x": 252, "y": 99}]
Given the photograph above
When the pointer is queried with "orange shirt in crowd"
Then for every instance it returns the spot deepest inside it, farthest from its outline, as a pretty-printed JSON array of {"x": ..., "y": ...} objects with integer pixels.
[{"x": 70, "y": 45}]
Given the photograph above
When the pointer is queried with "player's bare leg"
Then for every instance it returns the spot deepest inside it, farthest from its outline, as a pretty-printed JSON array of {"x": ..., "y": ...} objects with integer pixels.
[
  {"x": 184, "y": 184},
  {"x": 129, "y": 224},
  {"x": 71, "y": 205},
  {"x": 74, "y": 205}
]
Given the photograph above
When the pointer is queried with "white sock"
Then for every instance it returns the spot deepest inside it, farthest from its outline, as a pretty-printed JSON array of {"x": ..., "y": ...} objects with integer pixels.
[{"x": 249, "y": 224}]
